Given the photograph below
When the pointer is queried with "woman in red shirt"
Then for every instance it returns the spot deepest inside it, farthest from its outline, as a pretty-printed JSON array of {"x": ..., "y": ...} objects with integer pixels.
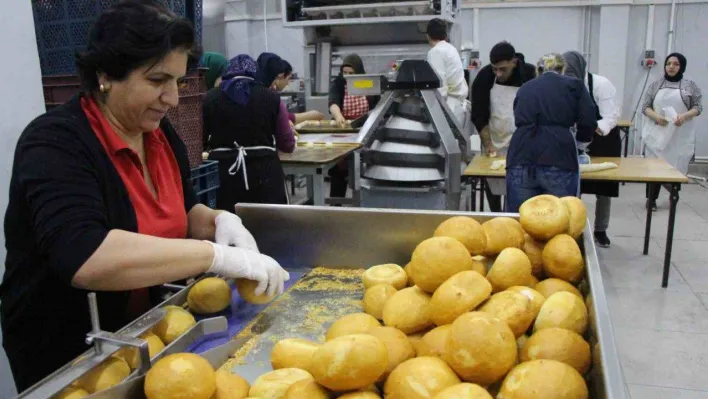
[{"x": 101, "y": 199}]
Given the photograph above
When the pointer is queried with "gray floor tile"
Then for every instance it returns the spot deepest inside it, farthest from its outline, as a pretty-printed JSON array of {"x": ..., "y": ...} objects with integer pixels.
[
  {"x": 652, "y": 392},
  {"x": 644, "y": 392},
  {"x": 629, "y": 249},
  {"x": 695, "y": 274},
  {"x": 640, "y": 273},
  {"x": 686, "y": 251},
  {"x": 704, "y": 299},
  {"x": 662, "y": 358},
  {"x": 689, "y": 225}
]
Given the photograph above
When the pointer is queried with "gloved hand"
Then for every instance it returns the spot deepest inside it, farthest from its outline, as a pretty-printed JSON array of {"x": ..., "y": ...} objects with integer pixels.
[
  {"x": 584, "y": 159},
  {"x": 233, "y": 262},
  {"x": 230, "y": 231}
]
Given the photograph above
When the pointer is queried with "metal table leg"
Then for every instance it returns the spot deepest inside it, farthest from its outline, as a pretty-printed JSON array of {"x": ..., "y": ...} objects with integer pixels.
[
  {"x": 318, "y": 187},
  {"x": 647, "y": 231},
  {"x": 482, "y": 184},
  {"x": 673, "y": 200},
  {"x": 626, "y": 141},
  {"x": 473, "y": 194}
]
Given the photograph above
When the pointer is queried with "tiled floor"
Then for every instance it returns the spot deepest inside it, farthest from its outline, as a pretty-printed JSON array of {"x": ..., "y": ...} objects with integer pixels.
[{"x": 661, "y": 334}]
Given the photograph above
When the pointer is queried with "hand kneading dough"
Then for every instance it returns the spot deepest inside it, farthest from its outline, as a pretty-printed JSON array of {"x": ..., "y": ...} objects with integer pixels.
[
  {"x": 107, "y": 374},
  {"x": 459, "y": 294},
  {"x": 181, "y": 375},
  {"x": 274, "y": 384},
  {"x": 501, "y": 233},
  {"x": 436, "y": 260},
  {"x": 230, "y": 386},
  {"x": 466, "y": 230},
  {"x": 246, "y": 290},
  {"x": 562, "y": 259},
  {"x": 577, "y": 215},
  {"x": 350, "y": 362},
  {"x": 408, "y": 310},
  {"x": 175, "y": 323},
  {"x": 544, "y": 217},
  {"x": 464, "y": 391},
  {"x": 306, "y": 389},
  {"x": 433, "y": 342},
  {"x": 534, "y": 250},
  {"x": 419, "y": 378},
  {"x": 72, "y": 393},
  {"x": 558, "y": 344},
  {"x": 563, "y": 310},
  {"x": 292, "y": 353},
  {"x": 131, "y": 355},
  {"x": 398, "y": 347},
  {"x": 480, "y": 348},
  {"x": 209, "y": 295},
  {"x": 375, "y": 298},
  {"x": 543, "y": 379},
  {"x": 550, "y": 286},
  {"x": 385, "y": 274},
  {"x": 355, "y": 323},
  {"x": 513, "y": 308},
  {"x": 512, "y": 267}
]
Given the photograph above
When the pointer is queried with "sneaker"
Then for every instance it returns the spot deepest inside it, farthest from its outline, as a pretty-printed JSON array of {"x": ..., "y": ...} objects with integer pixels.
[{"x": 602, "y": 240}]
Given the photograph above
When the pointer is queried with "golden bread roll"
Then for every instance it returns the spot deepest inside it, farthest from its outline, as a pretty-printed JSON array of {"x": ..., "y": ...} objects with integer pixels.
[
  {"x": 175, "y": 323},
  {"x": 563, "y": 310},
  {"x": 513, "y": 308},
  {"x": 407, "y": 269},
  {"x": 72, "y": 393},
  {"x": 292, "y": 353},
  {"x": 463, "y": 391},
  {"x": 375, "y": 298},
  {"x": 110, "y": 372},
  {"x": 466, "y": 230},
  {"x": 433, "y": 342},
  {"x": 502, "y": 233},
  {"x": 209, "y": 295},
  {"x": 389, "y": 273},
  {"x": 419, "y": 378},
  {"x": 562, "y": 259},
  {"x": 520, "y": 342},
  {"x": 360, "y": 395},
  {"x": 398, "y": 347},
  {"x": 534, "y": 250},
  {"x": 537, "y": 299},
  {"x": 416, "y": 339},
  {"x": 459, "y": 294},
  {"x": 558, "y": 344},
  {"x": 480, "y": 348},
  {"x": 180, "y": 375},
  {"x": 131, "y": 355},
  {"x": 550, "y": 286},
  {"x": 543, "y": 379},
  {"x": 247, "y": 291},
  {"x": 512, "y": 267},
  {"x": 355, "y": 323},
  {"x": 577, "y": 216},
  {"x": 230, "y": 386},
  {"x": 274, "y": 384},
  {"x": 480, "y": 264},
  {"x": 408, "y": 310},
  {"x": 544, "y": 217},
  {"x": 350, "y": 362},
  {"x": 436, "y": 260},
  {"x": 306, "y": 389}
]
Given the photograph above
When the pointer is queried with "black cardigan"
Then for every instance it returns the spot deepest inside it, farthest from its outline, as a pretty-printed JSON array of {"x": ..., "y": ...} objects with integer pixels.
[
  {"x": 336, "y": 94},
  {"x": 65, "y": 196}
]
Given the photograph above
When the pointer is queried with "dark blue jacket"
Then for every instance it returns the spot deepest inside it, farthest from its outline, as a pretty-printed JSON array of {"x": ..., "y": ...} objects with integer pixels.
[{"x": 545, "y": 109}]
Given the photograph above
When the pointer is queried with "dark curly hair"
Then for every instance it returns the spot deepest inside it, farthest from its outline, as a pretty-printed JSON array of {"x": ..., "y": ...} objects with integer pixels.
[{"x": 130, "y": 35}]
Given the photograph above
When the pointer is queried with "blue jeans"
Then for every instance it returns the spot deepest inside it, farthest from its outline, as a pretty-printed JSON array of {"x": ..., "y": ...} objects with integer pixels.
[{"x": 524, "y": 182}]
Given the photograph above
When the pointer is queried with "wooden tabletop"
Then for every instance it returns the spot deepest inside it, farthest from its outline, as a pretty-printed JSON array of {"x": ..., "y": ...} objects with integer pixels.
[
  {"x": 624, "y": 124},
  {"x": 318, "y": 154},
  {"x": 637, "y": 170}
]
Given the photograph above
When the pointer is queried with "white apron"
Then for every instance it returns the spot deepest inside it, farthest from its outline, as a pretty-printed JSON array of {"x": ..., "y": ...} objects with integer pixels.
[
  {"x": 679, "y": 151},
  {"x": 460, "y": 107},
  {"x": 501, "y": 126}
]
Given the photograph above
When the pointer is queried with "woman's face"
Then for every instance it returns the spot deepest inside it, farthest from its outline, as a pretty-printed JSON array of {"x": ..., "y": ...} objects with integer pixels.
[
  {"x": 673, "y": 66},
  {"x": 347, "y": 70},
  {"x": 140, "y": 101},
  {"x": 281, "y": 82}
]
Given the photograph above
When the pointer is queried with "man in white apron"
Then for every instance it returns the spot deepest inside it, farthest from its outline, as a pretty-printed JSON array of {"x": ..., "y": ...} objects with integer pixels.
[
  {"x": 493, "y": 93},
  {"x": 447, "y": 64}
]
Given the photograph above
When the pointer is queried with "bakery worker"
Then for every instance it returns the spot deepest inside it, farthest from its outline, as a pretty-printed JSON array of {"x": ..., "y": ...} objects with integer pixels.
[
  {"x": 493, "y": 92},
  {"x": 447, "y": 64},
  {"x": 605, "y": 143},
  {"x": 543, "y": 153},
  {"x": 101, "y": 199}
]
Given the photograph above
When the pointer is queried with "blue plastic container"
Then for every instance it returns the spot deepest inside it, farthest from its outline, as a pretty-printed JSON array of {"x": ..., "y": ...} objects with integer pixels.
[{"x": 206, "y": 181}]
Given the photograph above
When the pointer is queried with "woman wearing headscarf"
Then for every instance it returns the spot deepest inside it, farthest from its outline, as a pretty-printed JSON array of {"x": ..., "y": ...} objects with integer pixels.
[
  {"x": 606, "y": 141},
  {"x": 280, "y": 83},
  {"x": 247, "y": 128},
  {"x": 675, "y": 91},
  {"x": 216, "y": 66},
  {"x": 345, "y": 107},
  {"x": 543, "y": 154}
]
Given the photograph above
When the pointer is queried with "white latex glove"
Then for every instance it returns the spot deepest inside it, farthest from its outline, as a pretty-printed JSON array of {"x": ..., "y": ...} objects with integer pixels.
[
  {"x": 230, "y": 231},
  {"x": 231, "y": 262}
]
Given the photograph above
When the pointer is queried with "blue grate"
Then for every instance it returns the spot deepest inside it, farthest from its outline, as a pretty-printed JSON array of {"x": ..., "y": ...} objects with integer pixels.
[{"x": 205, "y": 179}]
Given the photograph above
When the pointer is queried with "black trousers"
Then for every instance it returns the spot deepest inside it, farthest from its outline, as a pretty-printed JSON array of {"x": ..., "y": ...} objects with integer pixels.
[
  {"x": 266, "y": 181},
  {"x": 495, "y": 202},
  {"x": 339, "y": 179}
]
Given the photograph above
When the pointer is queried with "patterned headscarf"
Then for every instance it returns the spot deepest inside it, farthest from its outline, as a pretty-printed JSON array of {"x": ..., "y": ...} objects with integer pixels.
[
  {"x": 238, "y": 79},
  {"x": 552, "y": 62}
]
